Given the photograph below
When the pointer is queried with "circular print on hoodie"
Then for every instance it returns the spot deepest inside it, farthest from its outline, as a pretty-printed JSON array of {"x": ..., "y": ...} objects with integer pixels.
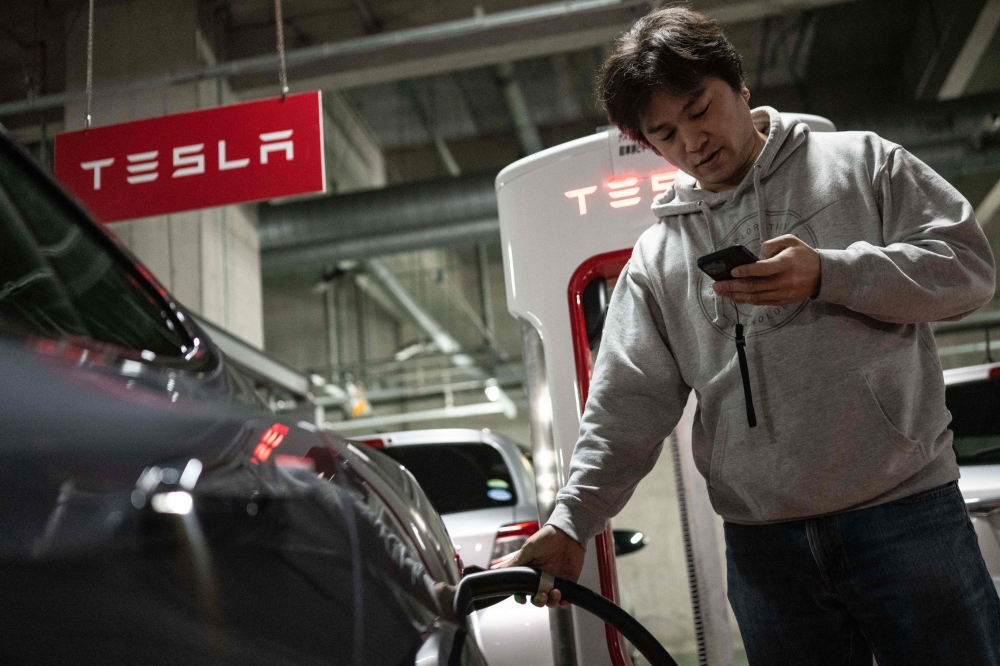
[{"x": 756, "y": 319}]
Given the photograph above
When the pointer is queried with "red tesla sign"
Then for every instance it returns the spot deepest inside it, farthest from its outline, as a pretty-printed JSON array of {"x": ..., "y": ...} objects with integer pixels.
[{"x": 214, "y": 157}]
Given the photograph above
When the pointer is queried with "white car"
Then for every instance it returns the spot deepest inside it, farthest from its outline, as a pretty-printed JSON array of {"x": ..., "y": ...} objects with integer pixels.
[
  {"x": 973, "y": 397},
  {"x": 483, "y": 486}
]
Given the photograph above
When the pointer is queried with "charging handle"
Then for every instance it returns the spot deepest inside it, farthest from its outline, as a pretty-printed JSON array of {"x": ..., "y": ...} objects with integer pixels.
[{"x": 499, "y": 584}]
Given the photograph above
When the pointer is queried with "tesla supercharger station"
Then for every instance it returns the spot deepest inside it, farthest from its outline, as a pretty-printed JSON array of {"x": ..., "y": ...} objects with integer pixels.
[{"x": 569, "y": 215}]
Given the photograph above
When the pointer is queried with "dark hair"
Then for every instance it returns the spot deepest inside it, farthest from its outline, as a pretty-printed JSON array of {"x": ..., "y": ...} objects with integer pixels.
[{"x": 671, "y": 49}]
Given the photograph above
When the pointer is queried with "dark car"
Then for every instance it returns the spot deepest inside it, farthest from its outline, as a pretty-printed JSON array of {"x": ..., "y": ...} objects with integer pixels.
[{"x": 152, "y": 509}]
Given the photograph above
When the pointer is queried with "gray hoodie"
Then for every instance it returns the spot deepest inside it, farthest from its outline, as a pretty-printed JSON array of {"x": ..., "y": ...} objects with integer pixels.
[{"x": 848, "y": 387}]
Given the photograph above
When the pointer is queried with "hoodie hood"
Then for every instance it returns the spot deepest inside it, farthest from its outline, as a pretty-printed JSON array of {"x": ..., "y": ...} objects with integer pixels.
[{"x": 784, "y": 136}]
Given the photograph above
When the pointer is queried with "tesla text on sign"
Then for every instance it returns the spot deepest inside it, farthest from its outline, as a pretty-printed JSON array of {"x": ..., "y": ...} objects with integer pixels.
[{"x": 213, "y": 157}]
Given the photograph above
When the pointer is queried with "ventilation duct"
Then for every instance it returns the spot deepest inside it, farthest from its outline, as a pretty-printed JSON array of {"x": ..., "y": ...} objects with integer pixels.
[{"x": 310, "y": 234}]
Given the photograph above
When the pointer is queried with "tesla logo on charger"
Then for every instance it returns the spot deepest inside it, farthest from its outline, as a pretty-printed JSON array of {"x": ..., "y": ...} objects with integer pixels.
[
  {"x": 231, "y": 154},
  {"x": 624, "y": 192}
]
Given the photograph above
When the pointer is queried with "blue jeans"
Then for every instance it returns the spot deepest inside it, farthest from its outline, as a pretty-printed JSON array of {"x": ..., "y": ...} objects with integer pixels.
[{"x": 903, "y": 580}]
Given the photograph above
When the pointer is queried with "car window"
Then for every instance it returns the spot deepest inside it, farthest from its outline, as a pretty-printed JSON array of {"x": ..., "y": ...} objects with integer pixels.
[
  {"x": 31, "y": 297},
  {"x": 975, "y": 421},
  {"x": 458, "y": 477},
  {"x": 57, "y": 280}
]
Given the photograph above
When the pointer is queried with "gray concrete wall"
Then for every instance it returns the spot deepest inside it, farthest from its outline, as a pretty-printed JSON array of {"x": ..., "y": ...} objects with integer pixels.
[{"x": 295, "y": 326}]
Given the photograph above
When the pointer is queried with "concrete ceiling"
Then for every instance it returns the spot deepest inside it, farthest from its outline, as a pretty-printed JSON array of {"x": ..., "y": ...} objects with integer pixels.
[{"x": 421, "y": 71}]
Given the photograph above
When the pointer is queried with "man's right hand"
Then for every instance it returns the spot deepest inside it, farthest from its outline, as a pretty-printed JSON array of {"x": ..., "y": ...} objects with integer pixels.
[{"x": 553, "y": 551}]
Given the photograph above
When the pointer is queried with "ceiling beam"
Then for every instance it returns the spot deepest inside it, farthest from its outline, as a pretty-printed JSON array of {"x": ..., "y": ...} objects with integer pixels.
[
  {"x": 941, "y": 33},
  {"x": 572, "y": 28},
  {"x": 972, "y": 52},
  {"x": 370, "y": 22},
  {"x": 394, "y": 55},
  {"x": 527, "y": 132},
  {"x": 478, "y": 41},
  {"x": 409, "y": 91}
]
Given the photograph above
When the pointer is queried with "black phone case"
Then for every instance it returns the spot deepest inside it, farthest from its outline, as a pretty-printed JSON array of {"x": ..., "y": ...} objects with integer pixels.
[{"x": 718, "y": 265}]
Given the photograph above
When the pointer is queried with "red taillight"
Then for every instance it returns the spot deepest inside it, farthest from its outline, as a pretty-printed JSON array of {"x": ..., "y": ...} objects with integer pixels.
[
  {"x": 461, "y": 565},
  {"x": 269, "y": 441},
  {"x": 374, "y": 442},
  {"x": 510, "y": 538},
  {"x": 995, "y": 372}
]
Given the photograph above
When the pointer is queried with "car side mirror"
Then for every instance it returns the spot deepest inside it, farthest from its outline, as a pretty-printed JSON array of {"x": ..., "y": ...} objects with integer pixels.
[
  {"x": 628, "y": 541},
  {"x": 595, "y": 309}
]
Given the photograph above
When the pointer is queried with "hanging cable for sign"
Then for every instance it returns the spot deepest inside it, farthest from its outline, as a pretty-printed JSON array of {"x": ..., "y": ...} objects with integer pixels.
[
  {"x": 280, "y": 28},
  {"x": 90, "y": 63}
]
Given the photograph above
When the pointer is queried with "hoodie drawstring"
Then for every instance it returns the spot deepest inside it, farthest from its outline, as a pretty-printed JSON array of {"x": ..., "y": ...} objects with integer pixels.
[
  {"x": 740, "y": 339},
  {"x": 741, "y": 355},
  {"x": 710, "y": 221},
  {"x": 758, "y": 169},
  {"x": 710, "y": 218}
]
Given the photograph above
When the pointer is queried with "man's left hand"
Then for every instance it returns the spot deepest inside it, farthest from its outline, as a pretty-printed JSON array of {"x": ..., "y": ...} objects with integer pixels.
[{"x": 788, "y": 272}]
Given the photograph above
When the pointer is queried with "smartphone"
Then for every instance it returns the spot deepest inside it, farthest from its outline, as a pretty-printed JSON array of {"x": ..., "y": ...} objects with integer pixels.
[{"x": 718, "y": 265}]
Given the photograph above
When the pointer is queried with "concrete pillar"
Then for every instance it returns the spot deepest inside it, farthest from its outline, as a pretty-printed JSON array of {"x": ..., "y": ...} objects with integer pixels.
[
  {"x": 209, "y": 259},
  {"x": 354, "y": 160}
]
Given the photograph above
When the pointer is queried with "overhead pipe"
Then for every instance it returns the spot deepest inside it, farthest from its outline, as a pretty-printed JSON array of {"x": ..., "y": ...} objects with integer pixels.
[
  {"x": 306, "y": 235},
  {"x": 317, "y": 258}
]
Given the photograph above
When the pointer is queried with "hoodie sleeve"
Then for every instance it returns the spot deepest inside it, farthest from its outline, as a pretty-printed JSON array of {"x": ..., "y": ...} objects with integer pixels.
[
  {"x": 636, "y": 398},
  {"x": 936, "y": 263}
]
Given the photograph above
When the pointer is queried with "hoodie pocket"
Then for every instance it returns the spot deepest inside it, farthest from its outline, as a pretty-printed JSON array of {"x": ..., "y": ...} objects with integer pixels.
[
  {"x": 878, "y": 413},
  {"x": 823, "y": 448}
]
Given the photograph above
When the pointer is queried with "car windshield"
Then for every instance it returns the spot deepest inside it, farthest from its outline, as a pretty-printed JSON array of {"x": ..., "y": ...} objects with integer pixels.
[
  {"x": 975, "y": 421},
  {"x": 58, "y": 281},
  {"x": 458, "y": 477}
]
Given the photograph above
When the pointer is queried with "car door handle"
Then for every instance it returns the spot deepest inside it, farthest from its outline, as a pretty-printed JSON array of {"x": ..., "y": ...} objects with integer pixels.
[{"x": 980, "y": 508}]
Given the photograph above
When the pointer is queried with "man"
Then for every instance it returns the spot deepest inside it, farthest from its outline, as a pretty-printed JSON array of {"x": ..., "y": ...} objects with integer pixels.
[{"x": 846, "y": 534}]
